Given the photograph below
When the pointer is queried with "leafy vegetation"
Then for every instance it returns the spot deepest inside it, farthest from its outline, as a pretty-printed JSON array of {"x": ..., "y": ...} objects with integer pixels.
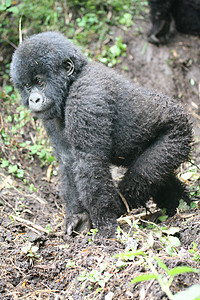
[
  {"x": 16, "y": 123},
  {"x": 84, "y": 21},
  {"x": 158, "y": 270},
  {"x": 140, "y": 245}
]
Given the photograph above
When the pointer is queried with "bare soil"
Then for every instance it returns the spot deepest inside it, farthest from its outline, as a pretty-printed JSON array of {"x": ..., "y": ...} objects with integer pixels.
[{"x": 53, "y": 270}]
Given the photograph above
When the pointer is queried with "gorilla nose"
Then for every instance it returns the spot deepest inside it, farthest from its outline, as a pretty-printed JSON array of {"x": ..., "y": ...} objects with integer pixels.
[
  {"x": 35, "y": 98},
  {"x": 35, "y": 102}
]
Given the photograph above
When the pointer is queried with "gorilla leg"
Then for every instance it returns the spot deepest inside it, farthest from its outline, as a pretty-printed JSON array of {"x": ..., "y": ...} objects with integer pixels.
[
  {"x": 161, "y": 18},
  {"x": 169, "y": 194},
  {"x": 152, "y": 173}
]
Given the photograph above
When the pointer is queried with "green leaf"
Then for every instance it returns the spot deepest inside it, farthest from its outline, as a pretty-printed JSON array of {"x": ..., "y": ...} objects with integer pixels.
[
  {"x": 8, "y": 89},
  {"x": 126, "y": 20},
  {"x": 128, "y": 221},
  {"x": 140, "y": 253},
  {"x": 161, "y": 264},
  {"x": 144, "y": 277},
  {"x": 192, "y": 293},
  {"x": 193, "y": 205},
  {"x": 150, "y": 240},
  {"x": 115, "y": 50},
  {"x": 8, "y": 2},
  {"x": 144, "y": 47},
  {"x": 12, "y": 169},
  {"x": 171, "y": 230},
  {"x": 15, "y": 10},
  {"x": 192, "y": 81},
  {"x": 20, "y": 173},
  {"x": 173, "y": 241},
  {"x": 5, "y": 5},
  {"x": 129, "y": 255},
  {"x": 169, "y": 250},
  {"x": 5, "y": 163},
  {"x": 104, "y": 60},
  {"x": 163, "y": 218},
  {"x": 181, "y": 270}
]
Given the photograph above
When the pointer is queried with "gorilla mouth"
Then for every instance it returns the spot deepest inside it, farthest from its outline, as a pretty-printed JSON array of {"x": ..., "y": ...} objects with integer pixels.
[
  {"x": 45, "y": 113},
  {"x": 40, "y": 108}
]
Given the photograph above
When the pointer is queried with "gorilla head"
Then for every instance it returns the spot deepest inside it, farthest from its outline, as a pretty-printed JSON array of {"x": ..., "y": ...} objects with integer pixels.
[{"x": 36, "y": 67}]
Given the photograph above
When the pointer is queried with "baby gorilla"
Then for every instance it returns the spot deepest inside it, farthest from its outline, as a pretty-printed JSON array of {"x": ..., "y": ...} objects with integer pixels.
[{"x": 96, "y": 118}]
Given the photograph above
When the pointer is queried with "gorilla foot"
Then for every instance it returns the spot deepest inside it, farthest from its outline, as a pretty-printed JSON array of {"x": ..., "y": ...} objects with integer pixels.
[{"x": 77, "y": 223}]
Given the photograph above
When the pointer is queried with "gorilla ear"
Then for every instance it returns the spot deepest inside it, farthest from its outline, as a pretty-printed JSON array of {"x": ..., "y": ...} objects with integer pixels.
[{"x": 69, "y": 66}]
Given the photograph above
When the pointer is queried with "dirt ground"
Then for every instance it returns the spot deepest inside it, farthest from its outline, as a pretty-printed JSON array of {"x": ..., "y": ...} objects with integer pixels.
[{"x": 37, "y": 261}]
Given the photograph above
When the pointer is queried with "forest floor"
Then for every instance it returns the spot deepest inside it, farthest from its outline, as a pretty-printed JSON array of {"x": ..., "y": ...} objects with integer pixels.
[{"x": 37, "y": 261}]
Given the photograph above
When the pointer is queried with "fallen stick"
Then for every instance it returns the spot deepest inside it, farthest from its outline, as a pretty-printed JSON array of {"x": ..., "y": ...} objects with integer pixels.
[{"x": 38, "y": 227}]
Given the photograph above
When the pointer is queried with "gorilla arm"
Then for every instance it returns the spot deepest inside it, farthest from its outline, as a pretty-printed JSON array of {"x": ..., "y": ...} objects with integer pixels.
[
  {"x": 77, "y": 219},
  {"x": 89, "y": 128}
]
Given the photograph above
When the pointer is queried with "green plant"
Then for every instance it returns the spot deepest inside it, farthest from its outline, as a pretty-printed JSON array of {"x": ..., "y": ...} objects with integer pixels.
[
  {"x": 32, "y": 188},
  {"x": 41, "y": 148},
  {"x": 92, "y": 234},
  {"x": 30, "y": 250},
  {"x": 12, "y": 168},
  {"x": 70, "y": 264},
  {"x": 195, "y": 252},
  {"x": 96, "y": 277},
  {"x": 48, "y": 228},
  {"x": 126, "y": 20},
  {"x": 41, "y": 14},
  {"x": 159, "y": 271},
  {"x": 165, "y": 276},
  {"x": 4, "y": 163},
  {"x": 111, "y": 55},
  {"x": 126, "y": 237}
]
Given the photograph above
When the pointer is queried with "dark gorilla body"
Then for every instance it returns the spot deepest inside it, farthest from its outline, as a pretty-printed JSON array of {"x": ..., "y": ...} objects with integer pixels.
[
  {"x": 96, "y": 118},
  {"x": 185, "y": 13}
]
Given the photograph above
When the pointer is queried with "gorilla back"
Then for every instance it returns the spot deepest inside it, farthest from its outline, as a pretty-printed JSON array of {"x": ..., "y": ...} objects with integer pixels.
[{"x": 96, "y": 118}]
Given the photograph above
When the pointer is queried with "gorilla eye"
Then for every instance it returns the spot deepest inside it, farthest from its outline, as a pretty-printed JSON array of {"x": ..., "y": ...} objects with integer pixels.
[
  {"x": 39, "y": 82},
  {"x": 28, "y": 86}
]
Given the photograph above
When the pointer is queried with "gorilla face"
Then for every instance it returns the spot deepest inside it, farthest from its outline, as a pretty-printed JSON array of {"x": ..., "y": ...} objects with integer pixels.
[
  {"x": 37, "y": 100},
  {"x": 41, "y": 93},
  {"x": 43, "y": 71}
]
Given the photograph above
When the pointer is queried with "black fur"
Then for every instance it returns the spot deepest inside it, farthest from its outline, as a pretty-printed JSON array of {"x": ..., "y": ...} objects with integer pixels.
[
  {"x": 96, "y": 118},
  {"x": 186, "y": 15}
]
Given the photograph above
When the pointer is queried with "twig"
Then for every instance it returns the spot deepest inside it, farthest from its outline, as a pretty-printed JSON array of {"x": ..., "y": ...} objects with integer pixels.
[
  {"x": 194, "y": 113},
  {"x": 38, "y": 227},
  {"x": 193, "y": 163},
  {"x": 148, "y": 287},
  {"x": 199, "y": 89},
  {"x": 20, "y": 30},
  {"x": 32, "y": 294},
  {"x": 124, "y": 201},
  {"x": 9, "y": 42},
  {"x": 1, "y": 122},
  {"x": 6, "y": 180}
]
